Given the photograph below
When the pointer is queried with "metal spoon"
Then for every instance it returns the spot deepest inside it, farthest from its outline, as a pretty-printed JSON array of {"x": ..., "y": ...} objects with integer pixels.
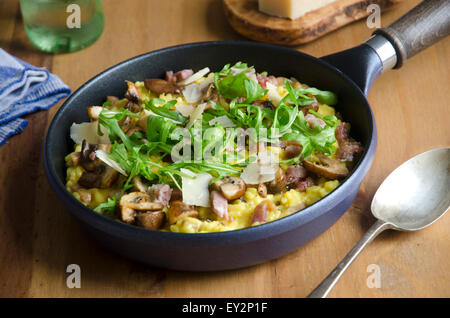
[{"x": 412, "y": 197}]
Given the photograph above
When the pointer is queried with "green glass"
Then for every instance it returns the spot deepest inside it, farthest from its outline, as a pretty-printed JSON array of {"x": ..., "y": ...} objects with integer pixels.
[{"x": 60, "y": 26}]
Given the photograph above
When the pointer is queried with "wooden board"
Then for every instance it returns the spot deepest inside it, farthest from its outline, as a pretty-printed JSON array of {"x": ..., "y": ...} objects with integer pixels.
[
  {"x": 39, "y": 238},
  {"x": 246, "y": 19}
]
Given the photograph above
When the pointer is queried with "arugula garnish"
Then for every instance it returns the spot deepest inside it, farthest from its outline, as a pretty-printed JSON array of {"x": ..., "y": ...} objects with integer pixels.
[{"x": 165, "y": 110}]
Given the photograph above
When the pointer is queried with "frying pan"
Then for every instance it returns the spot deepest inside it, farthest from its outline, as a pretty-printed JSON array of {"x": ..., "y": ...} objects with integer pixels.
[{"x": 349, "y": 74}]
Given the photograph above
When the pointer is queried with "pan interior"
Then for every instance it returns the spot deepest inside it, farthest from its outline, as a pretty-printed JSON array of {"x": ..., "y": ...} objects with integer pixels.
[{"x": 277, "y": 61}]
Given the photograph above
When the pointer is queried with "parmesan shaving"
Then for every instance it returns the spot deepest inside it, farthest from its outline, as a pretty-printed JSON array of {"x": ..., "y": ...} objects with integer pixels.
[
  {"x": 196, "y": 190},
  {"x": 88, "y": 131},
  {"x": 194, "y": 77},
  {"x": 103, "y": 156}
]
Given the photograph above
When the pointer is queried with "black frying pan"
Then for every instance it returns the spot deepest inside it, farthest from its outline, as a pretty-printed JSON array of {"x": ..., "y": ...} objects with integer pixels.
[{"x": 349, "y": 74}]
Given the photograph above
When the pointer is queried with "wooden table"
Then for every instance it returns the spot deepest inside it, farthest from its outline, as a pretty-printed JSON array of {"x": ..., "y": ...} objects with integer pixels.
[{"x": 39, "y": 238}]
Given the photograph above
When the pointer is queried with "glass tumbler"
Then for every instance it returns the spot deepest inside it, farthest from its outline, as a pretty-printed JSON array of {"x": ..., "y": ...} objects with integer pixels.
[{"x": 61, "y": 26}]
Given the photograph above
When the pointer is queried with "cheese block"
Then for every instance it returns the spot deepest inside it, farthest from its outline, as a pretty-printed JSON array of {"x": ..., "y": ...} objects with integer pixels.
[{"x": 291, "y": 9}]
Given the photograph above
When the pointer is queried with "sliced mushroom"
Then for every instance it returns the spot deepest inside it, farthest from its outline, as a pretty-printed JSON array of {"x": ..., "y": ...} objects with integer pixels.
[
  {"x": 133, "y": 107},
  {"x": 279, "y": 183},
  {"x": 126, "y": 124},
  {"x": 127, "y": 215},
  {"x": 177, "y": 195},
  {"x": 211, "y": 94},
  {"x": 88, "y": 161},
  {"x": 231, "y": 187},
  {"x": 89, "y": 180},
  {"x": 150, "y": 220},
  {"x": 262, "y": 190},
  {"x": 133, "y": 93},
  {"x": 160, "y": 86},
  {"x": 136, "y": 201},
  {"x": 179, "y": 210},
  {"x": 94, "y": 112},
  {"x": 219, "y": 204},
  {"x": 327, "y": 167},
  {"x": 261, "y": 211},
  {"x": 139, "y": 185},
  {"x": 143, "y": 121},
  {"x": 292, "y": 149},
  {"x": 108, "y": 177}
]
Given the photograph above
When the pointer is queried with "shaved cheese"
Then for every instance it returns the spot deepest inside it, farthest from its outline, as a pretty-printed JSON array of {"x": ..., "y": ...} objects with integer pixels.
[
  {"x": 273, "y": 94},
  {"x": 103, "y": 156},
  {"x": 261, "y": 171},
  {"x": 192, "y": 93},
  {"x": 195, "y": 76},
  {"x": 224, "y": 121},
  {"x": 196, "y": 114},
  {"x": 184, "y": 109},
  {"x": 88, "y": 131},
  {"x": 207, "y": 81},
  {"x": 196, "y": 191}
]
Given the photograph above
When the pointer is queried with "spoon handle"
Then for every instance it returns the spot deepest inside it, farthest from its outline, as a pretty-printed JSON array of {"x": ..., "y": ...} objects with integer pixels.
[{"x": 328, "y": 283}]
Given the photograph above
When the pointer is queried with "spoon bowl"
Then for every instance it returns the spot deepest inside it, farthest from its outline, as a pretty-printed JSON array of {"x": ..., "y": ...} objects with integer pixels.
[
  {"x": 415, "y": 194},
  {"x": 412, "y": 197}
]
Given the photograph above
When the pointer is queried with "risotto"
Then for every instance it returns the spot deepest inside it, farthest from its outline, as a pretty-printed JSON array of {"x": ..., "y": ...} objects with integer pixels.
[{"x": 209, "y": 151}]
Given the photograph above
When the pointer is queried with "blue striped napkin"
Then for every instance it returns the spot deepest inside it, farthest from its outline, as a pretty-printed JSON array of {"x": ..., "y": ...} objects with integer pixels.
[{"x": 24, "y": 89}]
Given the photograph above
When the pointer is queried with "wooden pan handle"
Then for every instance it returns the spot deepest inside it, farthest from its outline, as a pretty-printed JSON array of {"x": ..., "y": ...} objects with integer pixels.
[{"x": 421, "y": 27}]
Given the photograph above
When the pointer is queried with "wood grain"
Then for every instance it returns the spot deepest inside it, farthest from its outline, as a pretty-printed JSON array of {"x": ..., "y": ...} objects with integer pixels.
[
  {"x": 246, "y": 19},
  {"x": 40, "y": 238}
]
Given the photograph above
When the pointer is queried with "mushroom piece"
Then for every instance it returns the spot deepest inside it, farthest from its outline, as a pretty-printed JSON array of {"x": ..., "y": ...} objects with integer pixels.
[
  {"x": 177, "y": 195},
  {"x": 133, "y": 107},
  {"x": 219, "y": 204},
  {"x": 133, "y": 93},
  {"x": 94, "y": 112},
  {"x": 88, "y": 159},
  {"x": 278, "y": 184},
  {"x": 89, "y": 180},
  {"x": 138, "y": 184},
  {"x": 139, "y": 201},
  {"x": 150, "y": 220},
  {"x": 108, "y": 177},
  {"x": 160, "y": 86},
  {"x": 231, "y": 187},
  {"x": 327, "y": 167},
  {"x": 292, "y": 149},
  {"x": 262, "y": 190},
  {"x": 261, "y": 211},
  {"x": 179, "y": 210}
]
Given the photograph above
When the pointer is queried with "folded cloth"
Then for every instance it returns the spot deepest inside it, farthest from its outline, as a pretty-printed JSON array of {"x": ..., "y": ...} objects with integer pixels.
[{"x": 24, "y": 89}]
